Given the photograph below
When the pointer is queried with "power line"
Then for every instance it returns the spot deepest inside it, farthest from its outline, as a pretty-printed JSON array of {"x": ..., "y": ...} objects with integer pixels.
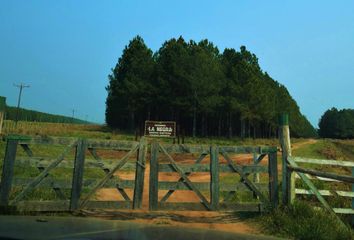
[{"x": 20, "y": 86}]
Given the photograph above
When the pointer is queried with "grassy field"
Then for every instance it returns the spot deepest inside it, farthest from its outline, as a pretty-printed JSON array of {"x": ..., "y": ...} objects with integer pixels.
[{"x": 327, "y": 149}]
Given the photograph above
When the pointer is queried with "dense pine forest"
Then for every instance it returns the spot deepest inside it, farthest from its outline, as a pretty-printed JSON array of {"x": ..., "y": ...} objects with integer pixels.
[
  {"x": 336, "y": 123},
  {"x": 206, "y": 92}
]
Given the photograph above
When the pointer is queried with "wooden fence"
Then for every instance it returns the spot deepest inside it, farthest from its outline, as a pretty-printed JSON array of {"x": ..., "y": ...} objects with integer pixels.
[
  {"x": 74, "y": 189},
  {"x": 134, "y": 158},
  {"x": 215, "y": 167},
  {"x": 290, "y": 169},
  {"x": 308, "y": 175}
]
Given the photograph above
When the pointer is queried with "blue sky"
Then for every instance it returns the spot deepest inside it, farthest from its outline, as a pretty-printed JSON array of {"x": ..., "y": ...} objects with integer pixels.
[{"x": 65, "y": 49}]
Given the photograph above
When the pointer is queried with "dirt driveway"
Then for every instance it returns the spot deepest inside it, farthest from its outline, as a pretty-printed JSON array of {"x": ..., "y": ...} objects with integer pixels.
[{"x": 222, "y": 221}]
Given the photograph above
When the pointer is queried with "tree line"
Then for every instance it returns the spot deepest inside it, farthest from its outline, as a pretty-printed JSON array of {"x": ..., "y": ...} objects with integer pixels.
[
  {"x": 336, "y": 123},
  {"x": 35, "y": 116},
  {"x": 206, "y": 92}
]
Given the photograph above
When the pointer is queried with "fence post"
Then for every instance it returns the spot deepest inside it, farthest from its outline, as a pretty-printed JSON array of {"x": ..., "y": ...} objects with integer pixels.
[
  {"x": 139, "y": 175},
  {"x": 273, "y": 179},
  {"x": 78, "y": 174},
  {"x": 8, "y": 171},
  {"x": 214, "y": 177},
  {"x": 288, "y": 177},
  {"x": 255, "y": 175},
  {"x": 154, "y": 177},
  {"x": 2, "y": 111}
]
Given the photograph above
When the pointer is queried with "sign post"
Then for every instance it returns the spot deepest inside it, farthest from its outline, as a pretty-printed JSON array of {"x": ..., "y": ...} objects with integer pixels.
[
  {"x": 160, "y": 129},
  {"x": 2, "y": 111}
]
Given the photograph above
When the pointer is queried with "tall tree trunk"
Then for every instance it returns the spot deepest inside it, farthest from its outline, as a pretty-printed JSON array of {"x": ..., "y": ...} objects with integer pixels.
[
  {"x": 243, "y": 128},
  {"x": 219, "y": 126},
  {"x": 254, "y": 131},
  {"x": 195, "y": 114},
  {"x": 203, "y": 125},
  {"x": 230, "y": 125},
  {"x": 148, "y": 113},
  {"x": 249, "y": 130},
  {"x": 132, "y": 123},
  {"x": 270, "y": 131},
  {"x": 194, "y": 121}
]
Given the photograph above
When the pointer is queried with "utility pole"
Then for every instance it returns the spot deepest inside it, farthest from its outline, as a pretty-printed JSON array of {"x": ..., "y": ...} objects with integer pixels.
[
  {"x": 21, "y": 86},
  {"x": 72, "y": 117}
]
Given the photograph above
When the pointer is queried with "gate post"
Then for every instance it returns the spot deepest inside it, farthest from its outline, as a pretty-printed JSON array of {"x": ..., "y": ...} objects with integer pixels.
[
  {"x": 8, "y": 170},
  {"x": 154, "y": 177},
  {"x": 139, "y": 175},
  {"x": 288, "y": 177},
  {"x": 78, "y": 174},
  {"x": 214, "y": 177},
  {"x": 273, "y": 178}
]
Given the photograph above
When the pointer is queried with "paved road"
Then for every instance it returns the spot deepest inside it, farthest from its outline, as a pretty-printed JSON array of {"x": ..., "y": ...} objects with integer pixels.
[{"x": 35, "y": 227}]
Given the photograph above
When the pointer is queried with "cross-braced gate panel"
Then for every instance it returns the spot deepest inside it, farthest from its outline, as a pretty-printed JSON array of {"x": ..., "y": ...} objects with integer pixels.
[
  {"x": 218, "y": 164},
  {"x": 75, "y": 178}
]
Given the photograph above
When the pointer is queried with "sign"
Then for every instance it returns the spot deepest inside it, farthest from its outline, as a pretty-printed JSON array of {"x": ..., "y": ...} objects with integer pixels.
[{"x": 160, "y": 129}]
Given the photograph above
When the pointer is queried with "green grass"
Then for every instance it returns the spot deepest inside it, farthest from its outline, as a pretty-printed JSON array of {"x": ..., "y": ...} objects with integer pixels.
[
  {"x": 301, "y": 221},
  {"x": 327, "y": 149},
  {"x": 324, "y": 149},
  {"x": 239, "y": 196}
]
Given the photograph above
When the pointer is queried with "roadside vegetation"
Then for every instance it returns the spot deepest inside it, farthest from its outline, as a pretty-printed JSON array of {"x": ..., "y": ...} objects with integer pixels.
[{"x": 302, "y": 221}]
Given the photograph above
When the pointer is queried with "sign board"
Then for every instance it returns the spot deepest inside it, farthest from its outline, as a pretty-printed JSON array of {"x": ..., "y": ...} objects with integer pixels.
[{"x": 160, "y": 129}]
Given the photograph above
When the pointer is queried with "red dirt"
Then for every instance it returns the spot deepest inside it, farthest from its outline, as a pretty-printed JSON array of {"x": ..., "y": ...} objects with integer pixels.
[
  {"x": 177, "y": 196},
  {"x": 184, "y": 196}
]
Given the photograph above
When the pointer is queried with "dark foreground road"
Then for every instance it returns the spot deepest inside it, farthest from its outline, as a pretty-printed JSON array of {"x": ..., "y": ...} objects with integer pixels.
[{"x": 34, "y": 227}]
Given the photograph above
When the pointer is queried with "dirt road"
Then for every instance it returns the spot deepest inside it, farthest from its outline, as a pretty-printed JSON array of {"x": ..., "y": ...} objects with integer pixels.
[{"x": 191, "y": 219}]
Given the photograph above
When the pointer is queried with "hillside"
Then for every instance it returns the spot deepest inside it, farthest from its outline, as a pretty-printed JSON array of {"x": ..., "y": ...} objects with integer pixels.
[
  {"x": 208, "y": 93},
  {"x": 36, "y": 116}
]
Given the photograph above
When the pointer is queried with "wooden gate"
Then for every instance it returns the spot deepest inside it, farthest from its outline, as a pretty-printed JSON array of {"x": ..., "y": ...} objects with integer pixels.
[
  {"x": 75, "y": 177},
  {"x": 73, "y": 190},
  {"x": 208, "y": 193}
]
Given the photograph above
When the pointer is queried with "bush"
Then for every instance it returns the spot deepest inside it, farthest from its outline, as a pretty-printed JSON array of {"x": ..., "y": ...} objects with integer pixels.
[{"x": 301, "y": 221}]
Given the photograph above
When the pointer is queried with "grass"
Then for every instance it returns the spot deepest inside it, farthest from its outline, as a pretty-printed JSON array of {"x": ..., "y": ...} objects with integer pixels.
[
  {"x": 244, "y": 196},
  {"x": 327, "y": 149},
  {"x": 301, "y": 221}
]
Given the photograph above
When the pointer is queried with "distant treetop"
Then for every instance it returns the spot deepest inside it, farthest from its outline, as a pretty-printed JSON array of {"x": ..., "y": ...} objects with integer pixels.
[{"x": 336, "y": 123}]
